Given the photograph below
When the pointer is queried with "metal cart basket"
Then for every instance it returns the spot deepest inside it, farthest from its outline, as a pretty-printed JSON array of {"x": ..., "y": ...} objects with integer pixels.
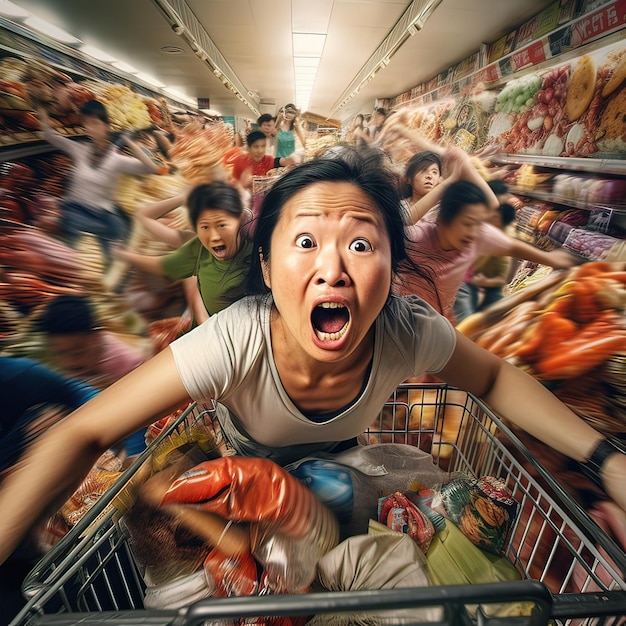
[{"x": 573, "y": 572}]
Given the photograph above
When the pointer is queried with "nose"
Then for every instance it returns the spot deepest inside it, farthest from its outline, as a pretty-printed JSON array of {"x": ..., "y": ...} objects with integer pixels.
[{"x": 331, "y": 268}]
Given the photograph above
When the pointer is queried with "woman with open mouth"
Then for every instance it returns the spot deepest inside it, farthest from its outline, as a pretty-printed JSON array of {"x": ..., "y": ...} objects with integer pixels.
[
  {"x": 307, "y": 361},
  {"x": 218, "y": 256}
]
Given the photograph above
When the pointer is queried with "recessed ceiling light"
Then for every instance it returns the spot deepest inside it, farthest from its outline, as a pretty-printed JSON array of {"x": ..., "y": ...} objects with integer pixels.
[{"x": 171, "y": 50}]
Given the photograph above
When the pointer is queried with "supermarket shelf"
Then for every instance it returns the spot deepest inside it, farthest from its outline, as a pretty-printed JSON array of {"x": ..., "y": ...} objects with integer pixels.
[
  {"x": 568, "y": 202},
  {"x": 31, "y": 144},
  {"x": 615, "y": 165}
]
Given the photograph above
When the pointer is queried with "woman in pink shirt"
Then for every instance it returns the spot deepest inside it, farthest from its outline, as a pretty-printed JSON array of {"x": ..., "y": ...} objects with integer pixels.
[{"x": 441, "y": 252}]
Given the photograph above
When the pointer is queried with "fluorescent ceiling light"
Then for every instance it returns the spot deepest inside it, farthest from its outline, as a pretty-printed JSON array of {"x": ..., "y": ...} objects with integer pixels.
[
  {"x": 305, "y": 71},
  {"x": 8, "y": 9},
  {"x": 306, "y": 61},
  {"x": 125, "y": 67},
  {"x": 308, "y": 44},
  {"x": 96, "y": 53},
  {"x": 151, "y": 80},
  {"x": 51, "y": 30}
]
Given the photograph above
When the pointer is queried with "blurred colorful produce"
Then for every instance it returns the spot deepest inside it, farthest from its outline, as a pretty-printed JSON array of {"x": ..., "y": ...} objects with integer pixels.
[{"x": 568, "y": 331}]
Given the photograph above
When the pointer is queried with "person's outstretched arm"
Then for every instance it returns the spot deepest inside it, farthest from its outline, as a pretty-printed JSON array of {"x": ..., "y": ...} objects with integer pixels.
[
  {"x": 145, "y": 262},
  {"x": 148, "y": 216},
  {"x": 56, "y": 463},
  {"x": 519, "y": 398},
  {"x": 151, "y": 166},
  {"x": 559, "y": 258}
]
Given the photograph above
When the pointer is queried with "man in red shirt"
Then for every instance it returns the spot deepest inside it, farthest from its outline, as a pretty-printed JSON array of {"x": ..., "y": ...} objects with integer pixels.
[{"x": 255, "y": 162}]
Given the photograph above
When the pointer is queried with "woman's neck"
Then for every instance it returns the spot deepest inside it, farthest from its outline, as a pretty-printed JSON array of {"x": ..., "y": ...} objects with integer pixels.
[
  {"x": 443, "y": 241},
  {"x": 300, "y": 369}
]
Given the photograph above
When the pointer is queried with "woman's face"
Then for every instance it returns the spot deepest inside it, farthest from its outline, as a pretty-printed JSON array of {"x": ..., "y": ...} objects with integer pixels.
[
  {"x": 464, "y": 228},
  {"x": 425, "y": 180},
  {"x": 330, "y": 268},
  {"x": 95, "y": 128},
  {"x": 218, "y": 232}
]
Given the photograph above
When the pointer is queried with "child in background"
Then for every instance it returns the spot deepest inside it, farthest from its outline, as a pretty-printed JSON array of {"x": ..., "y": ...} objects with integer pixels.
[
  {"x": 491, "y": 273},
  {"x": 256, "y": 162},
  {"x": 467, "y": 296},
  {"x": 88, "y": 203},
  {"x": 267, "y": 125}
]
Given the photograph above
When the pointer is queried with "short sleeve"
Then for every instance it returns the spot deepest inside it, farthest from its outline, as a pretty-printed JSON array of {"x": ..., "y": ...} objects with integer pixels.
[
  {"x": 422, "y": 337},
  {"x": 213, "y": 358},
  {"x": 182, "y": 262}
]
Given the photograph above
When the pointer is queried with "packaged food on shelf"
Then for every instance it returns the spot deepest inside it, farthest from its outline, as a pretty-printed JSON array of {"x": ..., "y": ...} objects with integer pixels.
[
  {"x": 559, "y": 231},
  {"x": 589, "y": 244}
]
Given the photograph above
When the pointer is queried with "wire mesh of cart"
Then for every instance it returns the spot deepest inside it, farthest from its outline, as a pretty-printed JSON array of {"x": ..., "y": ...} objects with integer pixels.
[{"x": 572, "y": 572}]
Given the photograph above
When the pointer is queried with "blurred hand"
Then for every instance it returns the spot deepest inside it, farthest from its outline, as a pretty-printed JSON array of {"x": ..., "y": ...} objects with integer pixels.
[{"x": 561, "y": 259}]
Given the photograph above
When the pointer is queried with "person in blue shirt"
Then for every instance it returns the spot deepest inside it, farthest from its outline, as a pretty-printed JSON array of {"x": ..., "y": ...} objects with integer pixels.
[{"x": 25, "y": 387}]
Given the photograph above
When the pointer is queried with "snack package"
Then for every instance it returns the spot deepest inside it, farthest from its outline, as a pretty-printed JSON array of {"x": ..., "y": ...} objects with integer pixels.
[
  {"x": 400, "y": 514},
  {"x": 483, "y": 508},
  {"x": 231, "y": 575}
]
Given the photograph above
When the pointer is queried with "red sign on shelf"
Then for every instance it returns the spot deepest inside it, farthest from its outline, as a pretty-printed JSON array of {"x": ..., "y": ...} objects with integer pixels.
[
  {"x": 607, "y": 18},
  {"x": 489, "y": 74},
  {"x": 530, "y": 55}
]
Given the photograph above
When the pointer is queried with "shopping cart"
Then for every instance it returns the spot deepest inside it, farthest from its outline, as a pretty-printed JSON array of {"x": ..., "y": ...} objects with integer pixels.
[{"x": 573, "y": 572}]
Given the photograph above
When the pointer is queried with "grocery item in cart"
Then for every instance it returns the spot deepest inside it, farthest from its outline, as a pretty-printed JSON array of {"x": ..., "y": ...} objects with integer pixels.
[
  {"x": 350, "y": 483},
  {"x": 484, "y": 509},
  {"x": 285, "y": 517},
  {"x": 402, "y": 515},
  {"x": 379, "y": 561}
]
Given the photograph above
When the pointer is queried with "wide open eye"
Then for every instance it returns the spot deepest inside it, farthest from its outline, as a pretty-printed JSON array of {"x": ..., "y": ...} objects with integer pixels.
[
  {"x": 361, "y": 245},
  {"x": 305, "y": 241}
]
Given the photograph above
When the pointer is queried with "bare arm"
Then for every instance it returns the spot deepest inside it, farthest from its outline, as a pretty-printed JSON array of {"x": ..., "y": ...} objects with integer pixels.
[
  {"x": 558, "y": 258},
  {"x": 140, "y": 155},
  {"x": 149, "y": 215},
  {"x": 470, "y": 173},
  {"x": 521, "y": 399},
  {"x": 482, "y": 281},
  {"x": 397, "y": 130},
  {"x": 150, "y": 264},
  {"x": 300, "y": 134},
  {"x": 68, "y": 450},
  {"x": 194, "y": 299}
]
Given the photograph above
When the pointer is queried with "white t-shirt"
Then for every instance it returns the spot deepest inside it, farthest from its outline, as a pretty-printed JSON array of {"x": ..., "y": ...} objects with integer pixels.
[
  {"x": 229, "y": 359},
  {"x": 93, "y": 187}
]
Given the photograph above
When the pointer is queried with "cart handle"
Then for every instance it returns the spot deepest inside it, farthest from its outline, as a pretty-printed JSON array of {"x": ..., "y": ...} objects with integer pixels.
[{"x": 453, "y": 598}]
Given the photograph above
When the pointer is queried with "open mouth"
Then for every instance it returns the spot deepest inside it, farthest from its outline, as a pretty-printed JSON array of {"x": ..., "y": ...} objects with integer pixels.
[{"x": 330, "y": 321}]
